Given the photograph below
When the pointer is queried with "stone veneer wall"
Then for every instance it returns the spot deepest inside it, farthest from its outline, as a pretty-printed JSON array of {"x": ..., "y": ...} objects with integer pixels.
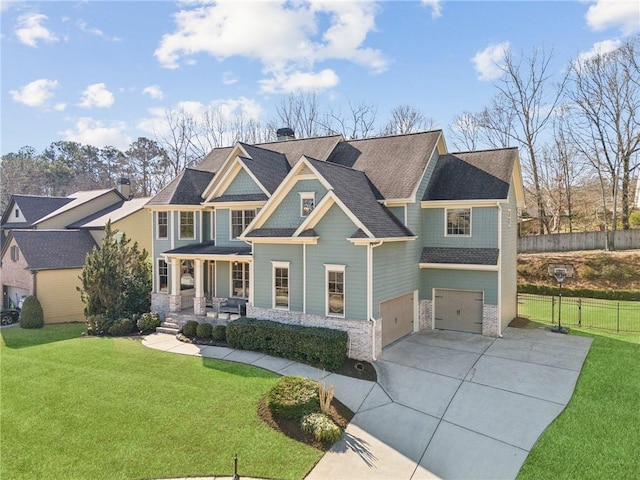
[
  {"x": 359, "y": 331},
  {"x": 425, "y": 317},
  {"x": 160, "y": 304}
]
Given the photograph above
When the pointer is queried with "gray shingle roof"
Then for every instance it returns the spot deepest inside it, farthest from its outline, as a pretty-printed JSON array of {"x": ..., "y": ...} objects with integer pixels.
[
  {"x": 185, "y": 189},
  {"x": 209, "y": 248},
  {"x": 35, "y": 207},
  {"x": 54, "y": 249},
  {"x": 248, "y": 197},
  {"x": 319, "y": 147},
  {"x": 394, "y": 164},
  {"x": 463, "y": 256},
  {"x": 355, "y": 190},
  {"x": 268, "y": 167},
  {"x": 272, "y": 232},
  {"x": 484, "y": 175}
]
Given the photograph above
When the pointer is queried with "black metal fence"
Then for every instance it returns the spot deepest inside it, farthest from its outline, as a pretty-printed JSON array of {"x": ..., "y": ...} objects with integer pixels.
[{"x": 614, "y": 315}]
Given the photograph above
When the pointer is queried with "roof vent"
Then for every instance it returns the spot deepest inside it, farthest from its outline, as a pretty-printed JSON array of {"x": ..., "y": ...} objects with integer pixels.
[{"x": 285, "y": 134}]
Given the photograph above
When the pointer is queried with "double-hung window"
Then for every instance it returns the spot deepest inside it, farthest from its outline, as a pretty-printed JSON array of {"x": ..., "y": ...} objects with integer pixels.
[
  {"x": 307, "y": 203},
  {"x": 240, "y": 220},
  {"x": 240, "y": 280},
  {"x": 335, "y": 292},
  {"x": 187, "y": 225},
  {"x": 281, "y": 285},
  {"x": 458, "y": 222},
  {"x": 162, "y": 224},
  {"x": 15, "y": 253},
  {"x": 163, "y": 276},
  {"x": 186, "y": 274}
]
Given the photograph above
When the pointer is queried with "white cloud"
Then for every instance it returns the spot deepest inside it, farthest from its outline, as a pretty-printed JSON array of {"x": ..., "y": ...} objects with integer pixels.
[
  {"x": 7, "y": 4},
  {"x": 36, "y": 93},
  {"x": 436, "y": 7},
  {"x": 300, "y": 82},
  {"x": 228, "y": 78},
  {"x": 316, "y": 31},
  {"x": 96, "y": 95},
  {"x": 60, "y": 107},
  {"x": 154, "y": 92},
  {"x": 623, "y": 14},
  {"x": 93, "y": 132},
  {"x": 29, "y": 30},
  {"x": 488, "y": 62},
  {"x": 83, "y": 26},
  {"x": 599, "y": 48}
]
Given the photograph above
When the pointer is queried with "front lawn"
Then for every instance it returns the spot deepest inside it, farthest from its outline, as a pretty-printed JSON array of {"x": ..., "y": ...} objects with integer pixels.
[
  {"x": 598, "y": 434},
  {"x": 83, "y": 408}
]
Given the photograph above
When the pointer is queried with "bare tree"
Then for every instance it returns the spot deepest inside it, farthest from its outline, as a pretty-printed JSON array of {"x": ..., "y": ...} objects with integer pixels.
[
  {"x": 179, "y": 140},
  {"x": 359, "y": 122},
  {"x": 605, "y": 95},
  {"x": 407, "y": 119},
  {"x": 527, "y": 96},
  {"x": 465, "y": 131},
  {"x": 300, "y": 111}
]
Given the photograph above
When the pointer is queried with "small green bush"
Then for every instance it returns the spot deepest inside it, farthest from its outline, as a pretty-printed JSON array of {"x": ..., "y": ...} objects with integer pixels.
[
  {"x": 190, "y": 328},
  {"x": 204, "y": 330},
  {"x": 98, "y": 324},
  {"x": 219, "y": 333},
  {"x": 148, "y": 322},
  {"x": 320, "y": 347},
  {"x": 31, "y": 315},
  {"x": 122, "y": 326},
  {"x": 293, "y": 397},
  {"x": 321, "y": 427}
]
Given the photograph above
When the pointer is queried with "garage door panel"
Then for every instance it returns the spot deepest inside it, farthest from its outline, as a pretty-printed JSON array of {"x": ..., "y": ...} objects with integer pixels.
[
  {"x": 397, "y": 318},
  {"x": 458, "y": 310}
]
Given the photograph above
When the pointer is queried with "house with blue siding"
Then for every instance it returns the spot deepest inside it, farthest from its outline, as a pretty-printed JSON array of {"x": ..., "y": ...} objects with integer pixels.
[{"x": 378, "y": 237}]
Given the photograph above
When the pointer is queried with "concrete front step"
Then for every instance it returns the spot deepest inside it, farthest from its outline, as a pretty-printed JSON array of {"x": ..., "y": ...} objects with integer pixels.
[
  {"x": 169, "y": 330},
  {"x": 170, "y": 325}
]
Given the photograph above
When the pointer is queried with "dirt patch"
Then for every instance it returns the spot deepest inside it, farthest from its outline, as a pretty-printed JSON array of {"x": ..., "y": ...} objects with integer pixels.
[
  {"x": 595, "y": 269},
  {"x": 358, "y": 369},
  {"x": 338, "y": 412}
]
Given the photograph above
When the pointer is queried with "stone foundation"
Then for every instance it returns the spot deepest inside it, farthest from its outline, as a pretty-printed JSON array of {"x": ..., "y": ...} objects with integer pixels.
[
  {"x": 175, "y": 303},
  {"x": 160, "y": 304},
  {"x": 199, "y": 305},
  {"x": 490, "y": 321},
  {"x": 425, "y": 315},
  {"x": 360, "y": 347}
]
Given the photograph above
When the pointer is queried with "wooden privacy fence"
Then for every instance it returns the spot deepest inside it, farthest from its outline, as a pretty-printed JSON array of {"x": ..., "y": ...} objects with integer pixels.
[{"x": 567, "y": 242}]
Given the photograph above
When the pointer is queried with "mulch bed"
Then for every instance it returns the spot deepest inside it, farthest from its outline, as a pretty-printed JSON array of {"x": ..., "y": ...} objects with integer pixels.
[
  {"x": 290, "y": 427},
  {"x": 519, "y": 322}
]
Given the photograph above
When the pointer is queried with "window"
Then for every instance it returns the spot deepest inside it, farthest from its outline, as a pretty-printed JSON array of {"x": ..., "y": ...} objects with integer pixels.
[
  {"x": 240, "y": 220},
  {"x": 307, "y": 203},
  {"x": 459, "y": 221},
  {"x": 240, "y": 280},
  {"x": 15, "y": 253},
  {"x": 163, "y": 276},
  {"x": 508, "y": 217},
  {"x": 17, "y": 212},
  {"x": 163, "y": 224},
  {"x": 281, "y": 285},
  {"x": 186, "y": 275},
  {"x": 186, "y": 225},
  {"x": 335, "y": 290}
]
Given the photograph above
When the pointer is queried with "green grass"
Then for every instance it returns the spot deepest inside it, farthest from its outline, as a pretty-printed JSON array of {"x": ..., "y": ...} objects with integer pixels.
[
  {"x": 598, "y": 434},
  {"x": 614, "y": 315},
  {"x": 85, "y": 408}
]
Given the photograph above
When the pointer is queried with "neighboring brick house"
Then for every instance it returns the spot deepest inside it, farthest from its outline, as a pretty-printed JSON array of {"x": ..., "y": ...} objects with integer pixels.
[
  {"x": 46, "y": 240},
  {"x": 379, "y": 237}
]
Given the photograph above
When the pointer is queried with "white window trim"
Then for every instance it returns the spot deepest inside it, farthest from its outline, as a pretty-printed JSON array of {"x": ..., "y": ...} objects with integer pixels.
[
  {"x": 158, "y": 237},
  {"x": 180, "y": 225},
  {"x": 306, "y": 196},
  {"x": 508, "y": 217},
  {"x": 158, "y": 260},
  {"x": 275, "y": 265},
  {"x": 231, "y": 292},
  {"x": 243, "y": 210},
  {"x": 341, "y": 269},
  {"x": 446, "y": 215}
]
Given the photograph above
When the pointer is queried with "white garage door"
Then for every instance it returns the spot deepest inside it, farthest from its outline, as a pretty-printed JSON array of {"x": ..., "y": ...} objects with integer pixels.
[
  {"x": 458, "y": 310},
  {"x": 397, "y": 318}
]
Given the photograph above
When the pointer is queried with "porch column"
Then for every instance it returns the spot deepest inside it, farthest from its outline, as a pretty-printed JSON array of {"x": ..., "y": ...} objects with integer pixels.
[
  {"x": 199, "y": 302},
  {"x": 175, "y": 299}
]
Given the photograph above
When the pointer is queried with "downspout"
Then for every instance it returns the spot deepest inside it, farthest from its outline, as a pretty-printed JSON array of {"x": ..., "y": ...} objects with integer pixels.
[
  {"x": 304, "y": 278},
  {"x": 370, "y": 247},
  {"x": 499, "y": 269}
]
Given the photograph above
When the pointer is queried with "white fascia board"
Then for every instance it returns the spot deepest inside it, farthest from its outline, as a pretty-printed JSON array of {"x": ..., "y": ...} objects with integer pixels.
[
  {"x": 249, "y": 205},
  {"x": 461, "y": 203},
  {"x": 212, "y": 188},
  {"x": 281, "y": 240},
  {"x": 442, "y": 150},
  {"x": 460, "y": 266},
  {"x": 396, "y": 202},
  {"x": 200, "y": 256},
  {"x": 176, "y": 208},
  {"x": 317, "y": 213},
  {"x": 366, "y": 241},
  {"x": 222, "y": 180}
]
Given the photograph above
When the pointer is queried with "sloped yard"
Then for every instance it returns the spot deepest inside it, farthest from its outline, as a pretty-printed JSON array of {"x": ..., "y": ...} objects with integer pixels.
[{"x": 78, "y": 408}]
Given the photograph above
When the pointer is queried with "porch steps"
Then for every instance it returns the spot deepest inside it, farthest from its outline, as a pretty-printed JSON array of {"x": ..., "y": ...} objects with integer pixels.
[{"x": 168, "y": 327}]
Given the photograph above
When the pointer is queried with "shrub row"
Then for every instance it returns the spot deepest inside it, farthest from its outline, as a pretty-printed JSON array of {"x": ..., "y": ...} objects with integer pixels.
[
  {"x": 629, "y": 295},
  {"x": 103, "y": 325},
  {"x": 320, "y": 347},
  {"x": 193, "y": 329}
]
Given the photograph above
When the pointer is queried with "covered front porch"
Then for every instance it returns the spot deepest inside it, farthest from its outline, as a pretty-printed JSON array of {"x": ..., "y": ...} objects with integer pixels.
[{"x": 200, "y": 278}]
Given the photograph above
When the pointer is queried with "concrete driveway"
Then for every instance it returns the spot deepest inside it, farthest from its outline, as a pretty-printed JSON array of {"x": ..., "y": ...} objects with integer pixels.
[{"x": 454, "y": 405}]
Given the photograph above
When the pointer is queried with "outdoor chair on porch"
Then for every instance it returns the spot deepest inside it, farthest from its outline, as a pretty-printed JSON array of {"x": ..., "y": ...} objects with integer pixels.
[{"x": 234, "y": 305}]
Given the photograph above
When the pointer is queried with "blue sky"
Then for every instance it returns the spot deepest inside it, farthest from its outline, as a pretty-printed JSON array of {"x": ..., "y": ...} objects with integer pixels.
[{"x": 102, "y": 73}]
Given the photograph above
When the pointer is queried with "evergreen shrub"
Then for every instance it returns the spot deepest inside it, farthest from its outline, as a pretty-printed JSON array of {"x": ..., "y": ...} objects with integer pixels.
[
  {"x": 321, "y": 427},
  {"x": 219, "y": 333},
  {"x": 31, "y": 315},
  {"x": 204, "y": 330},
  {"x": 148, "y": 322},
  {"x": 293, "y": 397},
  {"x": 190, "y": 328}
]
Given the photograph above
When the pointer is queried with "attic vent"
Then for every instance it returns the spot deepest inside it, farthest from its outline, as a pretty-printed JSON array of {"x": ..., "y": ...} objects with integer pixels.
[{"x": 285, "y": 134}]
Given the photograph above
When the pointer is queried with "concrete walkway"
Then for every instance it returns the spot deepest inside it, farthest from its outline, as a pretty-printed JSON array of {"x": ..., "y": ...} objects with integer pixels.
[{"x": 446, "y": 404}]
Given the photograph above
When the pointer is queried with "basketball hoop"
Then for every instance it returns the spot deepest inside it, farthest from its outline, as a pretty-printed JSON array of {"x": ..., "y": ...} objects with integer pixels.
[{"x": 560, "y": 271}]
